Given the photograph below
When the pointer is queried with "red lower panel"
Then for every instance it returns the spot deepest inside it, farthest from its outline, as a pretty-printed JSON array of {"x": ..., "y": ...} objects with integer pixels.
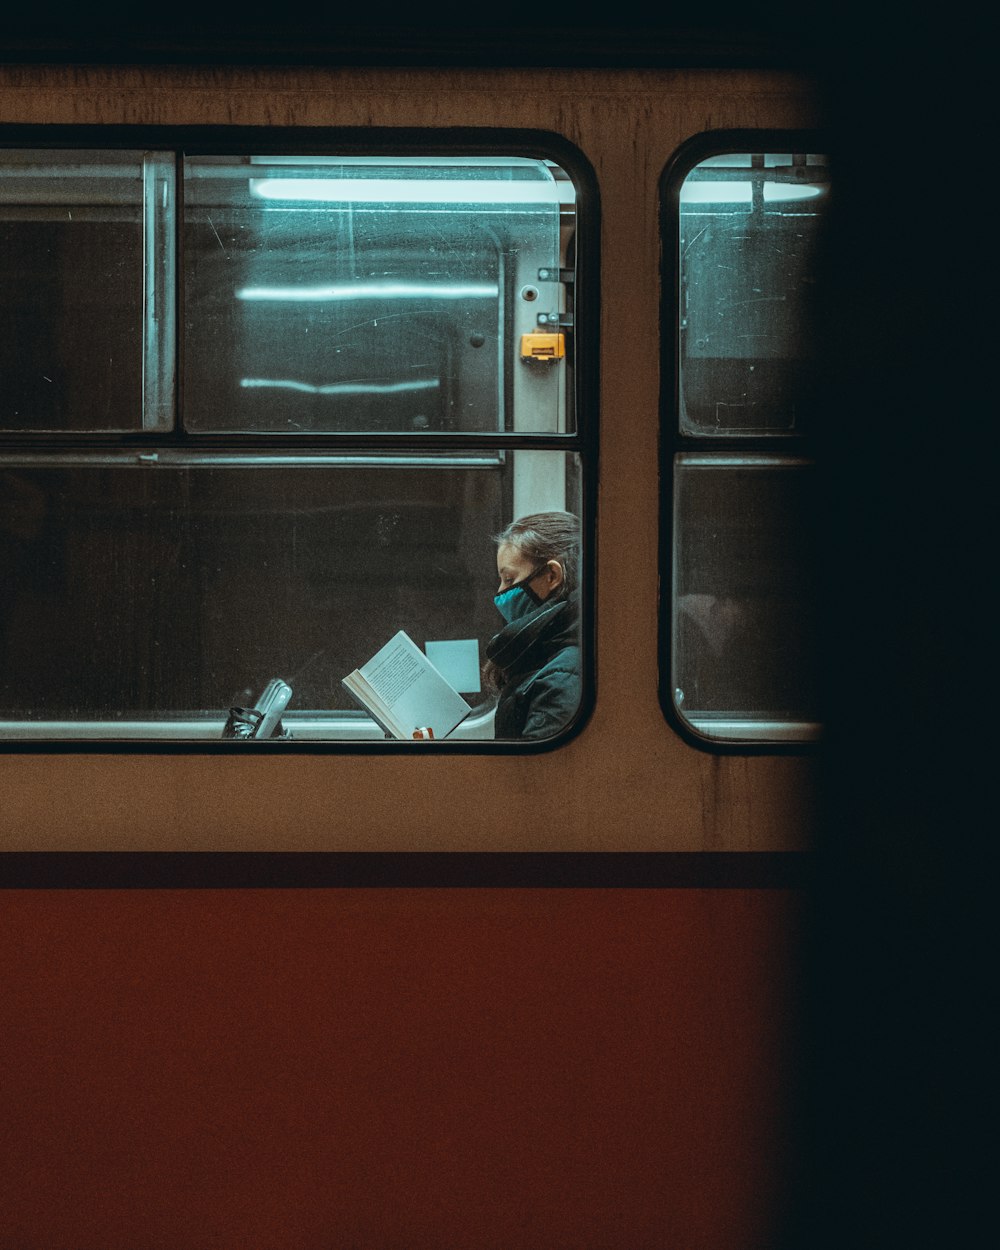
[{"x": 402, "y": 1068}]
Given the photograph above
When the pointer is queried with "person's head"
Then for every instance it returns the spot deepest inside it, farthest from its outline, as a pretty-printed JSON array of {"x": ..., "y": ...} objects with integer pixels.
[{"x": 540, "y": 552}]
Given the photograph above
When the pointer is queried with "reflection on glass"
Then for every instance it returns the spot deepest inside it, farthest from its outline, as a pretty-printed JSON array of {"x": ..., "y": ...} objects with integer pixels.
[
  {"x": 745, "y": 599},
  {"x": 367, "y": 295},
  {"x": 73, "y": 275},
  {"x": 750, "y": 231}
]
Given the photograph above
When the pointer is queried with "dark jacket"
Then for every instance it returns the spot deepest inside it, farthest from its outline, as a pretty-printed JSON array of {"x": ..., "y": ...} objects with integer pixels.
[{"x": 539, "y": 658}]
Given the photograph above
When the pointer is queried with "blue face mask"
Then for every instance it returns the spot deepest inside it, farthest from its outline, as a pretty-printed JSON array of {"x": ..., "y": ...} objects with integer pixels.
[{"x": 517, "y": 601}]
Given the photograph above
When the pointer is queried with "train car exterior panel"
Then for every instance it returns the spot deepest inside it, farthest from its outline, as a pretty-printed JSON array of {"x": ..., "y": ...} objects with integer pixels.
[
  {"x": 428, "y": 1068},
  {"x": 655, "y": 791}
]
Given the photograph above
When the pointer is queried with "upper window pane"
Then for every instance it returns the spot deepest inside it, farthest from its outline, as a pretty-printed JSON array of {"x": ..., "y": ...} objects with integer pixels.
[
  {"x": 85, "y": 243},
  {"x": 328, "y": 294},
  {"x": 750, "y": 233}
]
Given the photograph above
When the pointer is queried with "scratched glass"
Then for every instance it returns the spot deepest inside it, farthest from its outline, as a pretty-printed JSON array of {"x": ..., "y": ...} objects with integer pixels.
[
  {"x": 143, "y": 598},
  {"x": 750, "y": 231},
  {"x": 340, "y": 295},
  {"x": 167, "y": 550},
  {"x": 85, "y": 293},
  {"x": 744, "y": 630},
  {"x": 745, "y": 596}
]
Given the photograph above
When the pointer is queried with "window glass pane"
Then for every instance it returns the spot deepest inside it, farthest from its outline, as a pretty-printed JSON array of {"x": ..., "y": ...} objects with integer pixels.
[
  {"x": 744, "y": 597},
  {"x": 86, "y": 291},
  {"x": 149, "y": 597},
  {"x": 365, "y": 294},
  {"x": 750, "y": 232}
]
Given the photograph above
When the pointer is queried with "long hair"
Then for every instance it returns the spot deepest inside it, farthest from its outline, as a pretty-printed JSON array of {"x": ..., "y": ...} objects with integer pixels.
[
  {"x": 545, "y": 536},
  {"x": 541, "y": 537}
]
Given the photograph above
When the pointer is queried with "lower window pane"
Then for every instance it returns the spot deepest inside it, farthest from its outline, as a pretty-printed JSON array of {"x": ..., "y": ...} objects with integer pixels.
[
  {"x": 145, "y": 601},
  {"x": 744, "y": 601}
]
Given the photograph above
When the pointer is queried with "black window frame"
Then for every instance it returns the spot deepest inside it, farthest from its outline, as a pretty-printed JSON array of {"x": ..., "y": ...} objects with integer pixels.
[
  {"x": 802, "y": 447},
  {"x": 581, "y": 440}
]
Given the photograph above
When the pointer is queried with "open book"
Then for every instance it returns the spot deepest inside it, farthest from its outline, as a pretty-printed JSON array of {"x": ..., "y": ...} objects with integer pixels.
[{"x": 405, "y": 693}]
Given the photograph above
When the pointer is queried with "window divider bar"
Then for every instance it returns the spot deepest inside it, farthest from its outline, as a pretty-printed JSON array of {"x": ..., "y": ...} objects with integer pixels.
[{"x": 159, "y": 321}]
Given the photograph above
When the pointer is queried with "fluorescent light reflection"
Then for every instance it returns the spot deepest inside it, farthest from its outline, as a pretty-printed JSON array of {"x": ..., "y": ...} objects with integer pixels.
[
  {"x": 776, "y": 191},
  {"x": 339, "y": 388},
  {"x": 374, "y": 290},
  {"x": 742, "y": 192},
  {"x": 411, "y": 190}
]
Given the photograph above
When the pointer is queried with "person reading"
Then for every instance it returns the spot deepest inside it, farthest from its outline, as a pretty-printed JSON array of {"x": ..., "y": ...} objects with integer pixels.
[{"x": 533, "y": 665}]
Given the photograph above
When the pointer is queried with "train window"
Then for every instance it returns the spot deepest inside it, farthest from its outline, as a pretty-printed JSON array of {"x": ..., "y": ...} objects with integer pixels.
[
  {"x": 324, "y": 295},
  {"x": 265, "y": 412},
  {"x": 85, "y": 258},
  {"x": 746, "y": 228},
  {"x": 749, "y": 233},
  {"x": 745, "y": 627}
]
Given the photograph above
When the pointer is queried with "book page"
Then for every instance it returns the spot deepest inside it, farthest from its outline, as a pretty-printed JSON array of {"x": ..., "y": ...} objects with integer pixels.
[
  {"x": 394, "y": 670},
  {"x": 412, "y": 688},
  {"x": 365, "y": 695}
]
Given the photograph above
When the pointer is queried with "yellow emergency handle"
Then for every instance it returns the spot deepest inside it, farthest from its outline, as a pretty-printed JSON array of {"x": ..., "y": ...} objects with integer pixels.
[{"x": 542, "y": 347}]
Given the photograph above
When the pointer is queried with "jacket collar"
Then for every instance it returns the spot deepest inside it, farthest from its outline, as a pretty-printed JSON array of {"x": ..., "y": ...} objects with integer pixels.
[{"x": 550, "y": 622}]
